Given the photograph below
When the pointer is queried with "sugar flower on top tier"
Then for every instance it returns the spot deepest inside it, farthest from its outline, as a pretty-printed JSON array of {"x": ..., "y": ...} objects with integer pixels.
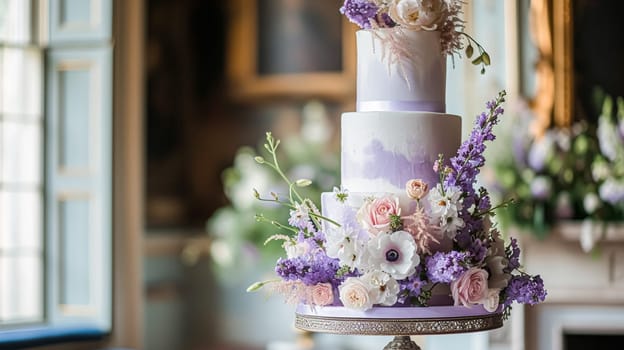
[
  {"x": 393, "y": 249},
  {"x": 417, "y": 15}
]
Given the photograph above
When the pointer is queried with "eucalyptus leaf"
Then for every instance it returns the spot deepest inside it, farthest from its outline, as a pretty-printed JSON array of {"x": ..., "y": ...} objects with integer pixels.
[
  {"x": 486, "y": 58},
  {"x": 469, "y": 51}
]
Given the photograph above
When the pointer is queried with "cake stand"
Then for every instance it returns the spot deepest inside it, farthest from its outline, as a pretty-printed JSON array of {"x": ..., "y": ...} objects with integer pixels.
[{"x": 397, "y": 322}]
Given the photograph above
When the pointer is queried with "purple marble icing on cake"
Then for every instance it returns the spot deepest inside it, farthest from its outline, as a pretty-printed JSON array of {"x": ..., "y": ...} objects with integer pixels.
[{"x": 391, "y": 166}]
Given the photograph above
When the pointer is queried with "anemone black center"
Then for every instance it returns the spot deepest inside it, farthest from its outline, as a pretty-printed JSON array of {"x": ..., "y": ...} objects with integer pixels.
[{"x": 392, "y": 255}]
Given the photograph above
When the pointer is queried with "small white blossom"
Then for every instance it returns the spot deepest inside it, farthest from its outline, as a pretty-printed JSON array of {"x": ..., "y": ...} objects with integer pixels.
[{"x": 445, "y": 207}]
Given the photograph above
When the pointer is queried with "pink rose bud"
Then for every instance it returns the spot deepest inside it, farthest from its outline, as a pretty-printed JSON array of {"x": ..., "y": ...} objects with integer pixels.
[
  {"x": 470, "y": 288},
  {"x": 416, "y": 189}
]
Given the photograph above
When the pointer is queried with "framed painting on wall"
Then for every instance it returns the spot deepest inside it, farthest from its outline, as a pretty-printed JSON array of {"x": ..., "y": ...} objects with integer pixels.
[{"x": 290, "y": 48}]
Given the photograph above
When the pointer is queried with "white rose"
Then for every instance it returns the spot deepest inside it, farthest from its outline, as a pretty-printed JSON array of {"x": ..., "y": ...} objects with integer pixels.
[
  {"x": 416, "y": 14},
  {"x": 491, "y": 300},
  {"x": 387, "y": 286},
  {"x": 355, "y": 294}
]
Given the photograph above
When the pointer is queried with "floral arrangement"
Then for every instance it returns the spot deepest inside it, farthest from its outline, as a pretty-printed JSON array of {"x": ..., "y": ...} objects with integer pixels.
[
  {"x": 417, "y": 15},
  {"x": 377, "y": 253},
  {"x": 574, "y": 173}
]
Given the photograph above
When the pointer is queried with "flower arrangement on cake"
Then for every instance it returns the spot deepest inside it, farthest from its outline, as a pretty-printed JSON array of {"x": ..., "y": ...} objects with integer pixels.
[
  {"x": 574, "y": 173},
  {"x": 391, "y": 20},
  {"x": 391, "y": 250}
]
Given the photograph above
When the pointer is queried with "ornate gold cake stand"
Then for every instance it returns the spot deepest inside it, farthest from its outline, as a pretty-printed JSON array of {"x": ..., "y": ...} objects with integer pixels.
[{"x": 401, "y": 329}]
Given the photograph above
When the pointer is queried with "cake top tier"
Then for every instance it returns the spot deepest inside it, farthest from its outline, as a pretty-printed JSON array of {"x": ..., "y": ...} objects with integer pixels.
[
  {"x": 400, "y": 70},
  {"x": 402, "y": 52}
]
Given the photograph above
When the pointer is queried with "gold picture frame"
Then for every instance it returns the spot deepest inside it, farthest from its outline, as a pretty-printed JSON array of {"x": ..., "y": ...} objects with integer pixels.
[
  {"x": 551, "y": 30},
  {"x": 245, "y": 82},
  {"x": 580, "y": 57}
]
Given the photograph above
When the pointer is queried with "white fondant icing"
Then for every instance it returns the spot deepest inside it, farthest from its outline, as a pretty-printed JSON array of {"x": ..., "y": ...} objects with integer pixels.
[
  {"x": 381, "y": 151},
  {"x": 417, "y": 76}
]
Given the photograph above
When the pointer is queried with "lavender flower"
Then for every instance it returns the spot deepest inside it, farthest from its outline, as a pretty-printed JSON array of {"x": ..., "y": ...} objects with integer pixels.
[
  {"x": 446, "y": 267},
  {"x": 465, "y": 166},
  {"x": 410, "y": 289},
  {"x": 513, "y": 255},
  {"x": 525, "y": 289},
  {"x": 478, "y": 250},
  {"x": 310, "y": 269},
  {"x": 360, "y": 12}
]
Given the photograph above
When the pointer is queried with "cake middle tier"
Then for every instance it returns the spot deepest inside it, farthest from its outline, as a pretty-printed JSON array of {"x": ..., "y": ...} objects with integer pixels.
[{"x": 381, "y": 151}]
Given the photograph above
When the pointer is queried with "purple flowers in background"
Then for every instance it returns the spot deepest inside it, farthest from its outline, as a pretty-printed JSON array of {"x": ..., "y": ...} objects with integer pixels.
[
  {"x": 446, "y": 267},
  {"x": 310, "y": 269},
  {"x": 360, "y": 12},
  {"x": 525, "y": 289}
]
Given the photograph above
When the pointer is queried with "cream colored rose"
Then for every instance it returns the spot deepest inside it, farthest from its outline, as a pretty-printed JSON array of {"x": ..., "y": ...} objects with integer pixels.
[
  {"x": 416, "y": 189},
  {"x": 492, "y": 299},
  {"x": 416, "y": 14},
  {"x": 322, "y": 294},
  {"x": 355, "y": 294}
]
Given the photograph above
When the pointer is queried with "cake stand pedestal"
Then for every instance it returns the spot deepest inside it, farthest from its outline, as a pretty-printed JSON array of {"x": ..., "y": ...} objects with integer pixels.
[{"x": 400, "y": 328}]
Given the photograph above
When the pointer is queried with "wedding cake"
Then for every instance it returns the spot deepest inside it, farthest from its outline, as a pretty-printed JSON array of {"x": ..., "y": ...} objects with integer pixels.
[{"x": 408, "y": 234}]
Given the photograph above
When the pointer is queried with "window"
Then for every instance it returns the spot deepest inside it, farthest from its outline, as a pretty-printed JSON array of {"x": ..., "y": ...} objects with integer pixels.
[
  {"x": 21, "y": 170},
  {"x": 55, "y": 169}
]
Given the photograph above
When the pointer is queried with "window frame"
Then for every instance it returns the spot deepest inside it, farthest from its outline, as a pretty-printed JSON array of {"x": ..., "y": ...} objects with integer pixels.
[{"x": 127, "y": 194}]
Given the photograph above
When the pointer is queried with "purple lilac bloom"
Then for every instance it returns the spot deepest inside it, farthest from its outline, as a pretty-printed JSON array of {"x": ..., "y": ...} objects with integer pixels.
[
  {"x": 360, "y": 12},
  {"x": 478, "y": 250},
  {"x": 310, "y": 269},
  {"x": 525, "y": 289},
  {"x": 513, "y": 255},
  {"x": 467, "y": 163},
  {"x": 384, "y": 20},
  {"x": 446, "y": 267}
]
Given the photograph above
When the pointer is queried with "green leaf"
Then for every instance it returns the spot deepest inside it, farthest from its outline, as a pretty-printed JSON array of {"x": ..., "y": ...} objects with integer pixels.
[
  {"x": 477, "y": 60},
  {"x": 469, "y": 51},
  {"x": 486, "y": 58}
]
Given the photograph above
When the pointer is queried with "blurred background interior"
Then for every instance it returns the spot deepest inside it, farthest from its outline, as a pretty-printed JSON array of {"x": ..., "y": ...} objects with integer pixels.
[{"x": 127, "y": 135}]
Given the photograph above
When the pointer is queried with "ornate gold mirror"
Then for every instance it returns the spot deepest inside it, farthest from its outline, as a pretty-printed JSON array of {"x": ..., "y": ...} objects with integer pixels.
[{"x": 581, "y": 51}]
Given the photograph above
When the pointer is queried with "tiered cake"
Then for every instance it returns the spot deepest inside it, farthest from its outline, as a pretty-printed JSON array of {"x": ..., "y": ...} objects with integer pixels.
[{"x": 408, "y": 234}]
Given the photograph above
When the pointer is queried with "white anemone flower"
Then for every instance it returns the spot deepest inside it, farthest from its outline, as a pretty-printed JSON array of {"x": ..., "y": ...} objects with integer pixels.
[{"x": 394, "y": 253}]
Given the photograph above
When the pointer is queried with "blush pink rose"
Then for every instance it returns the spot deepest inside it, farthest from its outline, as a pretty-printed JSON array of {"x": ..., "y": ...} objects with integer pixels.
[
  {"x": 322, "y": 294},
  {"x": 376, "y": 215},
  {"x": 471, "y": 287}
]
